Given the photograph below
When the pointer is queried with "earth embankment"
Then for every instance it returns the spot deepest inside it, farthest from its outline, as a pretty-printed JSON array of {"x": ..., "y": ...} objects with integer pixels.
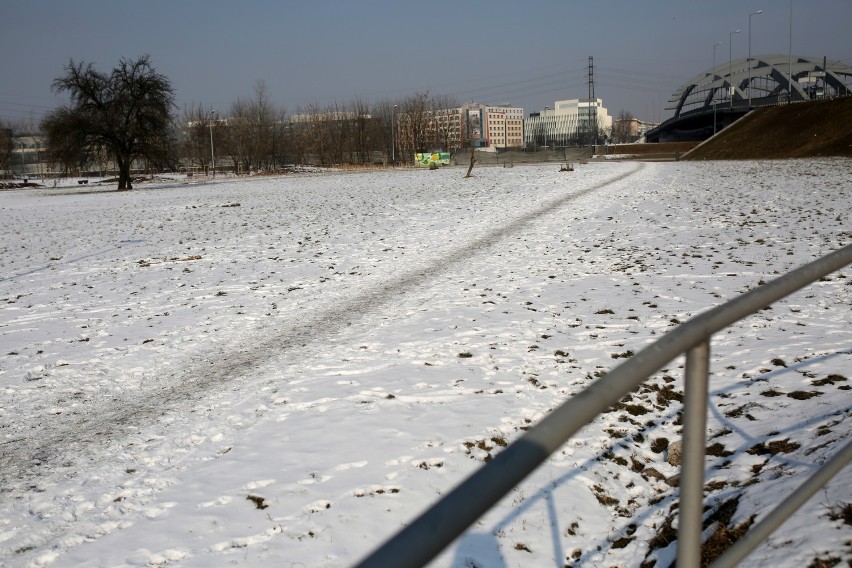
[{"x": 805, "y": 130}]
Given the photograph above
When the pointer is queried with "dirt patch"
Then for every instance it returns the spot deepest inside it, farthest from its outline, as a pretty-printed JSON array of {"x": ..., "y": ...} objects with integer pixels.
[
  {"x": 18, "y": 185},
  {"x": 670, "y": 148}
]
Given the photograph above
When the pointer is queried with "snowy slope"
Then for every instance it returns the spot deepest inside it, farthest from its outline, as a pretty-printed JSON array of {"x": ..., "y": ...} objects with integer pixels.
[{"x": 287, "y": 370}]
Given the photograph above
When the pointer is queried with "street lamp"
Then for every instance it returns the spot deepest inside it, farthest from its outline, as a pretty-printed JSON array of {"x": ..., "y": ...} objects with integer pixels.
[
  {"x": 212, "y": 154},
  {"x": 715, "y": 45},
  {"x": 790, "y": 59},
  {"x": 23, "y": 159},
  {"x": 431, "y": 122},
  {"x": 393, "y": 135},
  {"x": 749, "y": 54},
  {"x": 506, "y": 130},
  {"x": 274, "y": 157},
  {"x": 730, "y": 66}
]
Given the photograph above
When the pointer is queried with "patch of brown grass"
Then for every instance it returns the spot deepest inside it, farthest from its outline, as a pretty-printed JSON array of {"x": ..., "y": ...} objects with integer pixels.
[{"x": 802, "y": 130}]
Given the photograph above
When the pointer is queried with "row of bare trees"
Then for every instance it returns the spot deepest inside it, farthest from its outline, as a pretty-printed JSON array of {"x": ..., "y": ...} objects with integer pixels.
[
  {"x": 117, "y": 119},
  {"x": 122, "y": 120},
  {"x": 245, "y": 135},
  {"x": 256, "y": 135}
]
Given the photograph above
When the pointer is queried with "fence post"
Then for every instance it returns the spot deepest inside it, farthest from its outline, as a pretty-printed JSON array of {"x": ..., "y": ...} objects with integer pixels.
[{"x": 691, "y": 513}]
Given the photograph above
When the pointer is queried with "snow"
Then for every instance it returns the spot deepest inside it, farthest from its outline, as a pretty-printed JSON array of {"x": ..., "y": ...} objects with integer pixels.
[{"x": 287, "y": 370}]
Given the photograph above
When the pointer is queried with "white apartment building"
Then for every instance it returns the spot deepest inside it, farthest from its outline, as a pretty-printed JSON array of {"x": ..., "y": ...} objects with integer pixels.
[
  {"x": 503, "y": 126},
  {"x": 568, "y": 123},
  {"x": 452, "y": 129}
]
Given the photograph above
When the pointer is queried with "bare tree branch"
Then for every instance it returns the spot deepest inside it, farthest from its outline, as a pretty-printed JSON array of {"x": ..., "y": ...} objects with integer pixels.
[{"x": 127, "y": 113}]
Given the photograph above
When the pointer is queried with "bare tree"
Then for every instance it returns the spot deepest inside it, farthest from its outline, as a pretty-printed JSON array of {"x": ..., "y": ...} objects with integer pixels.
[
  {"x": 336, "y": 126},
  {"x": 382, "y": 126},
  {"x": 263, "y": 120},
  {"x": 623, "y": 128},
  {"x": 6, "y": 144},
  {"x": 314, "y": 134},
  {"x": 413, "y": 123},
  {"x": 361, "y": 134},
  {"x": 352, "y": 132},
  {"x": 249, "y": 131},
  {"x": 447, "y": 121},
  {"x": 281, "y": 148},
  {"x": 472, "y": 161},
  {"x": 197, "y": 131},
  {"x": 127, "y": 112},
  {"x": 472, "y": 128},
  {"x": 235, "y": 139},
  {"x": 295, "y": 137}
]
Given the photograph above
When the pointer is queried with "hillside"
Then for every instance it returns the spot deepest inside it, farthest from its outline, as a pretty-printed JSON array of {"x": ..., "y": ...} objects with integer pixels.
[{"x": 817, "y": 129}]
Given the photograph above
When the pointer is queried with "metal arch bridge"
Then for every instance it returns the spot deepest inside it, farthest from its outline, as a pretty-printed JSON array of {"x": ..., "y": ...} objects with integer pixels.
[{"x": 716, "y": 98}]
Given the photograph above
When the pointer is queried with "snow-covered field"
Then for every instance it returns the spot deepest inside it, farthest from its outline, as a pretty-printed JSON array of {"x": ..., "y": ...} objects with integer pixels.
[{"x": 285, "y": 371}]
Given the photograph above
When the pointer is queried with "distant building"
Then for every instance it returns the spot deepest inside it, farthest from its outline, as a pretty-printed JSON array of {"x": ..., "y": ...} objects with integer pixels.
[
  {"x": 569, "y": 123},
  {"x": 453, "y": 129},
  {"x": 643, "y": 127},
  {"x": 329, "y": 116},
  {"x": 503, "y": 126},
  {"x": 630, "y": 130},
  {"x": 27, "y": 155}
]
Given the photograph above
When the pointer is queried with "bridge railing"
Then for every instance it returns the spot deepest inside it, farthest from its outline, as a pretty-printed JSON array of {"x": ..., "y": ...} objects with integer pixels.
[{"x": 437, "y": 527}]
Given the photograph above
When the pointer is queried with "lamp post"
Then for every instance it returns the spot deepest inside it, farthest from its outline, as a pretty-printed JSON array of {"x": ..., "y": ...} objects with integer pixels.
[
  {"x": 393, "y": 135},
  {"x": 790, "y": 59},
  {"x": 431, "y": 122},
  {"x": 23, "y": 159},
  {"x": 715, "y": 45},
  {"x": 506, "y": 130},
  {"x": 730, "y": 66},
  {"x": 212, "y": 154},
  {"x": 749, "y": 54}
]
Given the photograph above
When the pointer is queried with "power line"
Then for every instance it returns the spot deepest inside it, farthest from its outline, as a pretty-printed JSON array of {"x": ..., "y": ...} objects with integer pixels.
[{"x": 27, "y": 105}]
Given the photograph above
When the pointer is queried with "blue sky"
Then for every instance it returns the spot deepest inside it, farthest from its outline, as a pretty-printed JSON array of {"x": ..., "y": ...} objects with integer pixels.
[{"x": 325, "y": 51}]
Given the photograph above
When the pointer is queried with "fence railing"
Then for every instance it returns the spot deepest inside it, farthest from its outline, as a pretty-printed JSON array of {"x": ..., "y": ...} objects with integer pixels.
[{"x": 437, "y": 527}]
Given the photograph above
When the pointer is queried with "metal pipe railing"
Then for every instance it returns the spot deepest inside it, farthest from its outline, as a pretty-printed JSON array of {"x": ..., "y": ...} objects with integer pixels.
[
  {"x": 691, "y": 514},
  {"x": 785, "y": 510},
  {"x": 426, "y": 536}
]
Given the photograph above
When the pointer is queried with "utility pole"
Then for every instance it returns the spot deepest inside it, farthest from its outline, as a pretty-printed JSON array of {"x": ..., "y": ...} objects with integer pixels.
[
  {"x": 592, "y": 123},
  {"x": 790, "y": 59},
  {"x": 749, "y": 55},
  {"x": 23, "y": 158}
]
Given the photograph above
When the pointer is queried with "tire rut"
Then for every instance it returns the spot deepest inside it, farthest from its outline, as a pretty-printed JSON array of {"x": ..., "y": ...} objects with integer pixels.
[{"x": 64, "y": 446}]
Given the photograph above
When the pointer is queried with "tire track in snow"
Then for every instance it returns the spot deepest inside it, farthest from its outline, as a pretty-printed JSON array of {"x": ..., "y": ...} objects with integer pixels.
[{"x": 58, "y": 447}]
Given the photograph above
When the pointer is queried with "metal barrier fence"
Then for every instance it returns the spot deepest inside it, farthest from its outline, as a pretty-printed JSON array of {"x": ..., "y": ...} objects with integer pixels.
[{"x": 436, "y": 528}]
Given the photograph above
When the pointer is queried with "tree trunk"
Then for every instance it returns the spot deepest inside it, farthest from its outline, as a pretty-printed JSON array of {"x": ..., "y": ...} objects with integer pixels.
[
  {"x": 124, "y": 181},
  {"x": 472, "y": 160}
]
